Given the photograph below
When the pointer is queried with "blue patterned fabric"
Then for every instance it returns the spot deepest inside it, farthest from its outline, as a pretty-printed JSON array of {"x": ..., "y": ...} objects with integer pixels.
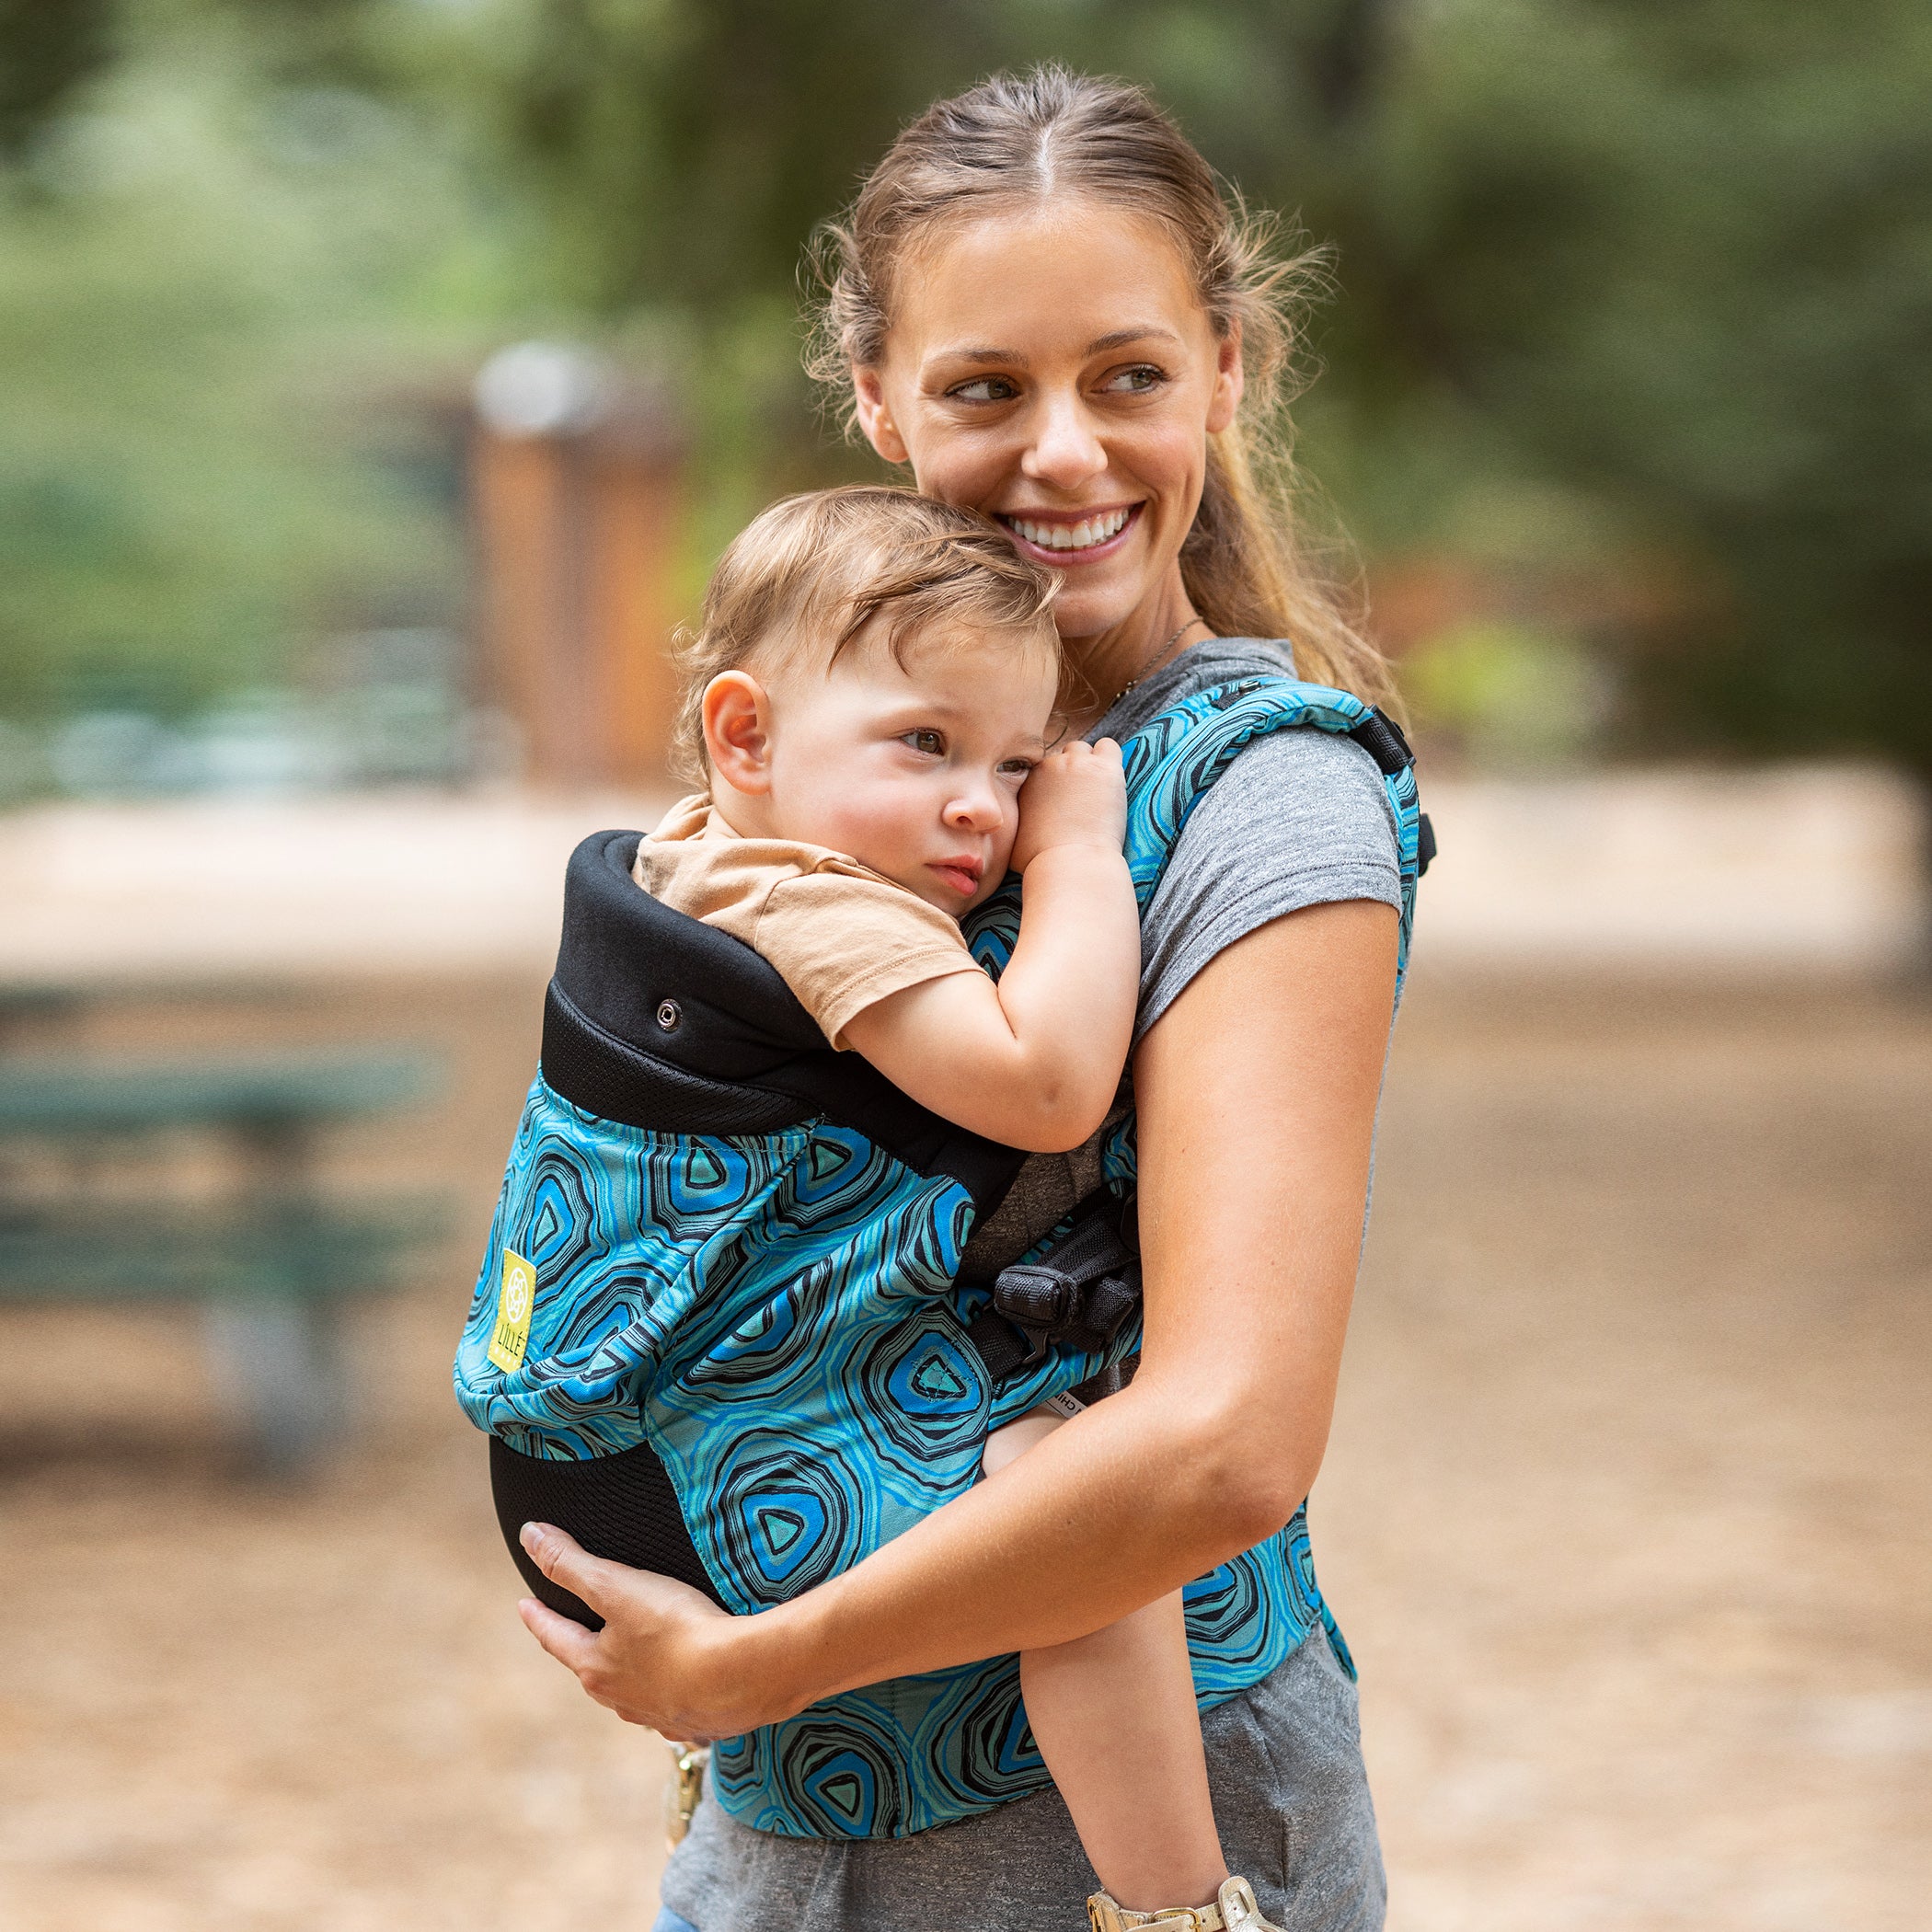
[
  {"x": 778, "y": 1316},
  {"x": 1172, "y": 762}
]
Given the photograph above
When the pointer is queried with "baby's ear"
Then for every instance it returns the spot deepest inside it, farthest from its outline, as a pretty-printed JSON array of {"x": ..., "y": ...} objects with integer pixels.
[{"x": 736, "y": 709}]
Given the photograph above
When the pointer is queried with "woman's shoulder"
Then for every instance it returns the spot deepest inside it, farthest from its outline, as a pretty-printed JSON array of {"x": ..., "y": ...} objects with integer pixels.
[
  {"x": 1298, "y": 818},
  {"x": 1300, "y": 793},
  {"x": 1201, "y": 667}
]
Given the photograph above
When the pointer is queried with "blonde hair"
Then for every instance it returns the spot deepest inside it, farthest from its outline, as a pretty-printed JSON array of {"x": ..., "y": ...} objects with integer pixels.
[
  {"x": 1048, "y": 133},
  {"x": 803, "y": 579}
]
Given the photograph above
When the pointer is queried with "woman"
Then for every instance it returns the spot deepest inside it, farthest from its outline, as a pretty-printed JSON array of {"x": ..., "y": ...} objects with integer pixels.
[{"x": 1043, "y": 307}]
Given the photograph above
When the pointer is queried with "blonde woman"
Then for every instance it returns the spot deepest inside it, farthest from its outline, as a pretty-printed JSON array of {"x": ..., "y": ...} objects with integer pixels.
[{"x": 1042, "y": 306}]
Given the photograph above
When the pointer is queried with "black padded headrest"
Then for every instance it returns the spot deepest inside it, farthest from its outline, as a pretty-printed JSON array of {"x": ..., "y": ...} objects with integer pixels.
[
  {"x": 625, "y": 954},
  {"x": 660, "y": 1021}
]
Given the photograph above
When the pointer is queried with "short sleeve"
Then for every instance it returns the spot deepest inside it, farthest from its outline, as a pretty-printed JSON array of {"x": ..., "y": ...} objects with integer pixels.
[
  {"x": 843, "y": 944},
  {"x": 1300, "y": 818}
]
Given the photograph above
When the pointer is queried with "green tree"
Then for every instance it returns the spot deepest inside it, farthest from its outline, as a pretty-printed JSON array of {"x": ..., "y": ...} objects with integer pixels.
[
  {"x": 1680, "y": 258},
  {"x": 211, "y": 271},
  {"x": 1647, "y": 283},
  {"x": 47, "y": 52},
  {"x": 1663, "y": 270}
]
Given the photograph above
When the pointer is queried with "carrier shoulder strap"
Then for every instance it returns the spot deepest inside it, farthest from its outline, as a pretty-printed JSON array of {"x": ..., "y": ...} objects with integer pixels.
[
  {"x": 1173, "y": 760},
  {"x": 1078, "y": 1287}
]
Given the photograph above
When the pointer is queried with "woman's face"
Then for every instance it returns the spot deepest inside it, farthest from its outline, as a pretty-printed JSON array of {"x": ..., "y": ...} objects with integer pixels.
[{"x": 1053, "y": 369}]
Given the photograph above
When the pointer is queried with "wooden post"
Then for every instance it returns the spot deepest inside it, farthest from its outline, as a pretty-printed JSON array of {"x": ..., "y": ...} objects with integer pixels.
[
  {"x": 634, "y": 512},
  {"x": 576, "y": 515}
]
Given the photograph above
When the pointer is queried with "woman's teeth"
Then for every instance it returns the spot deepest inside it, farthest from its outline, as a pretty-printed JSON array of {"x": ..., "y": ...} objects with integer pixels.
[{"x": 1073, "y": 536}]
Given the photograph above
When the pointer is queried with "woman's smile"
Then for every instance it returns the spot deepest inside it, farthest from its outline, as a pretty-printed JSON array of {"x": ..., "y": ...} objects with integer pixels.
[{"x": 1064, "y": 537}]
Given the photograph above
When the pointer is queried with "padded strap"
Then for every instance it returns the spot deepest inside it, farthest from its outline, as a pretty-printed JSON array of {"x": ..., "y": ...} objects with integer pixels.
[
  {"x": 1381, "y": 737},
  {"x": 1173, "y": 760}
]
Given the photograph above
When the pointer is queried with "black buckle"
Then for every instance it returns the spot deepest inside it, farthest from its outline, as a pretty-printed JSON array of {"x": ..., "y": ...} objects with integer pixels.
[{"x": 1083, "y": 1288}]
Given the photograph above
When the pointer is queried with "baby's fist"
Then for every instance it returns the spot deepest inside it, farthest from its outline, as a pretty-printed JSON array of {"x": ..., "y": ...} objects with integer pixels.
[{"x": 1076, "y": 795}]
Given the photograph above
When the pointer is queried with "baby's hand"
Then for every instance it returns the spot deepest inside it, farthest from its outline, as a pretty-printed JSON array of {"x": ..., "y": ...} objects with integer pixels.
[{"x": 1074, "y": 796}]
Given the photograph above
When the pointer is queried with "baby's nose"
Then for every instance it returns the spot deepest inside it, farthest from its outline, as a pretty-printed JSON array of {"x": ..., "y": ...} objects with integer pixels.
[{"x": 978, "y": 808}]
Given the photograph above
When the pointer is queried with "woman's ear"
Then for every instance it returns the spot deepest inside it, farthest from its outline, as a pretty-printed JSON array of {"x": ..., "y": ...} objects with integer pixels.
[
  {"x": 1230, "y": 379},
  {"x": 737, "y": 715},
  {"x": 875, "y": 419}
]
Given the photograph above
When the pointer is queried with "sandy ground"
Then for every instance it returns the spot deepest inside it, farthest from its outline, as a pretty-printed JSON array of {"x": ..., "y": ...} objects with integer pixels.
[{"x": 1624, "y": 1515}]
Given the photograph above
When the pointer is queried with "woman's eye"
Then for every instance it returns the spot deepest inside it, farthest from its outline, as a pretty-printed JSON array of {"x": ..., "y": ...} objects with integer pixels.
[
  {"x": 984, "y": 389},
  {"x": 1136, "y": 381},
  {"x": 930, "y": 743}
]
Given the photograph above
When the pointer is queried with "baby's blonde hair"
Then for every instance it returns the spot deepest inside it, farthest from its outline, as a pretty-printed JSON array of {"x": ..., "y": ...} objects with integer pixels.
[{"x": 802, "y": 580}]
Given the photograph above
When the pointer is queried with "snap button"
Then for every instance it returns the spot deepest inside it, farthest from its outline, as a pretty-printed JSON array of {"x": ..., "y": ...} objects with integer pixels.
[{"x": 668, "y": 1015}]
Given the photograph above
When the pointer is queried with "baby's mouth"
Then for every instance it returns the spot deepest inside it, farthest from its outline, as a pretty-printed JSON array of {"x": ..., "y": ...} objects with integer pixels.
[
  {"x": 963, "y": 874},
  {"x": 1063, "y": 539}
]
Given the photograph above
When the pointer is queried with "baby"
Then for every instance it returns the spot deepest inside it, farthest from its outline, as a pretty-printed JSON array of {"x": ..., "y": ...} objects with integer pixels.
[{"x": 872, "y": 702}]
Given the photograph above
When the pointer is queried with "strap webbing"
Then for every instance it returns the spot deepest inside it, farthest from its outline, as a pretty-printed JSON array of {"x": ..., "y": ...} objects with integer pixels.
[{"x": 998, "y": 1344}]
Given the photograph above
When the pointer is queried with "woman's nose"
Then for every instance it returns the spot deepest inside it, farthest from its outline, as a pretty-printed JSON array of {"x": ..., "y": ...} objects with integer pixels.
[{"x": 1064, "y": 452}]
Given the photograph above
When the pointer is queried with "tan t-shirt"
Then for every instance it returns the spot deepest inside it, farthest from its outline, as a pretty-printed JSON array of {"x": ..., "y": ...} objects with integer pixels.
[{"x": 840, "y": 934}]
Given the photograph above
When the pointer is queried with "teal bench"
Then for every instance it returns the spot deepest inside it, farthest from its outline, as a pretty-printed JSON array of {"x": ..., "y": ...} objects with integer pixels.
[{"x": 269, "y": 1263}]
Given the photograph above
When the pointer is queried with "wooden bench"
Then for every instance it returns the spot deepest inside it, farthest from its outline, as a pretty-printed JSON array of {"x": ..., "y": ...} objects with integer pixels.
[{"x": 270, "y": 1262}]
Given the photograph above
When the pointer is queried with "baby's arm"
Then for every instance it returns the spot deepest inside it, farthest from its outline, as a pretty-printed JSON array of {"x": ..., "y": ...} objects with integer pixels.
[{"x": 1034, "y": 1060}]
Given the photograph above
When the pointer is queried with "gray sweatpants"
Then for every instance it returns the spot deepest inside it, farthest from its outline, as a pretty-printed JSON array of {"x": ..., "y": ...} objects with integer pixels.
[{"x": 1290, "y": 1796}]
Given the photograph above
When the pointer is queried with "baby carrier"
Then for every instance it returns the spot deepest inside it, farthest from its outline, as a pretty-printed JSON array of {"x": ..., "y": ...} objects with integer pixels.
[{"x": 720, "y": 1330}]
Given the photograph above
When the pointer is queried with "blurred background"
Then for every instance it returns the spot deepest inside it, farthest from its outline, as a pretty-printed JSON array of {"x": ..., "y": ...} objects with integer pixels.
[{"x": 378, "y": 379}]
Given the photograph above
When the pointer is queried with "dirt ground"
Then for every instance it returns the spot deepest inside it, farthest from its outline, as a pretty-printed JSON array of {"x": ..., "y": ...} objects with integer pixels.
[{"x": 1624, "y": 1515}]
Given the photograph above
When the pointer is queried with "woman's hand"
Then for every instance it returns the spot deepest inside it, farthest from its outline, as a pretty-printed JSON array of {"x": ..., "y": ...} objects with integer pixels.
[{"x": 667, "y": 1655}]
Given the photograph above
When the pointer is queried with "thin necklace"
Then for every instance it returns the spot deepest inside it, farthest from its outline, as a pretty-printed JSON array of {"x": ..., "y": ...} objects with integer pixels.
[{"x": 1155, "y": 659}]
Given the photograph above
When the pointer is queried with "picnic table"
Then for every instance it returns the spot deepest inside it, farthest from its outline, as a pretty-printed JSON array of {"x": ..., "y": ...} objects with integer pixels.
[{"x": 270, "y": 1261}]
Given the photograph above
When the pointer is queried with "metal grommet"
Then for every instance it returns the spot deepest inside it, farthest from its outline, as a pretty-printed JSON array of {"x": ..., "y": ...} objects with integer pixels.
[{"x": 669, "y": 1015}]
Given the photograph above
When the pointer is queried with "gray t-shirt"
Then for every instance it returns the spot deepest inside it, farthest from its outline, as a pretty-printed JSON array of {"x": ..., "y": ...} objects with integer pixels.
[{"x": 1299, "y": 818}]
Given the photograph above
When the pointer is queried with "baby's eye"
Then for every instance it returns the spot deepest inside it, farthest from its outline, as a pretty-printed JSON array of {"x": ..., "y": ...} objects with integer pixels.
[
  {"x": 1136, "y": 381},
  {"x": 1015, "y": 768},
  {"x": 984, "y": 389},
  {"x": 931, "y": 743}
]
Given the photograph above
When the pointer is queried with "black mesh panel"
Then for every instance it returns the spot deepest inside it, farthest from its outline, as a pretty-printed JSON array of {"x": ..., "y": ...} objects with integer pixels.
[{"x": 620, "y": 1507}]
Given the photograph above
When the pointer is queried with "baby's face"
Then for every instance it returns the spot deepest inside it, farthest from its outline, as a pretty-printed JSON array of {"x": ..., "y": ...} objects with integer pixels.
[{"x": 912, "y": 769}]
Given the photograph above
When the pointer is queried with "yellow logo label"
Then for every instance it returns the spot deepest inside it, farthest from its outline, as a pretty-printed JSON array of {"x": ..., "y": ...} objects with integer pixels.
[{"x": 511, "y": 1335}]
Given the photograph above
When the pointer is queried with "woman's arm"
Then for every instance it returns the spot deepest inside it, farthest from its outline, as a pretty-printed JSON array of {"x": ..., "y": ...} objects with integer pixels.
[{"x": 1256, "y": 1097}]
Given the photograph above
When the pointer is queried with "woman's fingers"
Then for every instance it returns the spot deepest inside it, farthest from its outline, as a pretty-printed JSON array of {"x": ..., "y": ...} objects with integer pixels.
[
  {"x": 566, "y": 1561},
  {"x": 573, "y": 1646},
  {"x": 580, "y": 1654},
  {"x": 649, "y": 1663}
]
